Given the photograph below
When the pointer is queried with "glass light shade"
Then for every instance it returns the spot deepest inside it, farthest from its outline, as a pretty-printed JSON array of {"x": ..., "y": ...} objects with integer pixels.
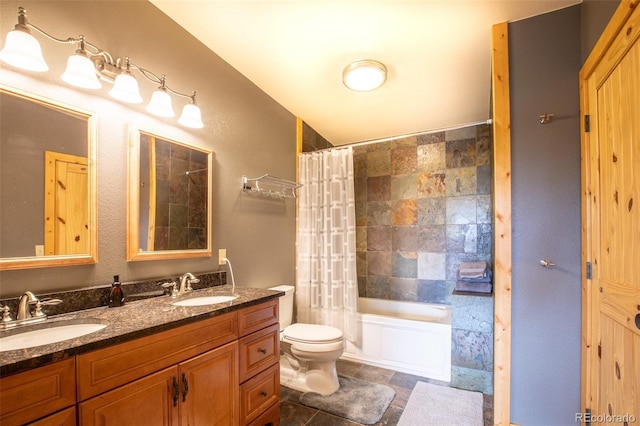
[
  {"x": 22, "y": 50},
  {"x": 125, "y": 89},
  {"x": 365, "y": 75},
  {"x": 81, "y": 72},
  {"x": 191, "y": 117},
  {"x": 160, "y": 104}
]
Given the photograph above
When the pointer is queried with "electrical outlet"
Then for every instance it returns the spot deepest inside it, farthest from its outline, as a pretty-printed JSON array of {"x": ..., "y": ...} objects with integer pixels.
[
  {"x": 222, "y": 255},
  {"x": 39, "y": 250}
]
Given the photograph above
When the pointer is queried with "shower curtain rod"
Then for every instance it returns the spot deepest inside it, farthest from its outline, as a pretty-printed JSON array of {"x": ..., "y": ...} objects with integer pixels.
[{"x": 489, "y": 121}]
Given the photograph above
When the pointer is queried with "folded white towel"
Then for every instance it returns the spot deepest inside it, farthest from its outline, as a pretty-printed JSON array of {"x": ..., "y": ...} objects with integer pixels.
[
  {"x": 471, "y": 274},
  {"x": 473, "y": 265},
  {"x": 472, "y": 269}
]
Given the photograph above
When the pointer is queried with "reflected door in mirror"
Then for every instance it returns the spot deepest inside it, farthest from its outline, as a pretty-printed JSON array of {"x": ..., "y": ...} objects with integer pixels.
[
  {"x": 47, "y": 206},
  {"x": 66, "y": 218}
]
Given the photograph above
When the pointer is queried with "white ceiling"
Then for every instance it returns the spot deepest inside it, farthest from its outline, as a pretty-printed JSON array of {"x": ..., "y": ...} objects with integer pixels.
[{"x": 437, "y": 53}]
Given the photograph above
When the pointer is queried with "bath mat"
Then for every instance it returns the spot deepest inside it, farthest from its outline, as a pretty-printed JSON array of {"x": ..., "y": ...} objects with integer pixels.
[
  {"x": 441, "y": 405},
  {"x": 358, "y": 400}
]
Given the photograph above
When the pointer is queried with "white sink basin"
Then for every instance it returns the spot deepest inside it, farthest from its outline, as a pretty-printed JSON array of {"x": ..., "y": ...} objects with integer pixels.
[
  {"x": 204, "y": 300},
  {"x": 47, "y": 335}
]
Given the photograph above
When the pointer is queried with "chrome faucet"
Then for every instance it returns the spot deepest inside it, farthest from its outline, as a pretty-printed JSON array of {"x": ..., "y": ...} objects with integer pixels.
[
  {"x": 24, "y": 315},
  {"x": 185, "y": 282},
  {"x": 24, "y": 310}
]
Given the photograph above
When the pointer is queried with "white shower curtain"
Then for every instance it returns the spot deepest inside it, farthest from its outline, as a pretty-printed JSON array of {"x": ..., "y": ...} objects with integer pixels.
[{"x": 327, "y": 286}]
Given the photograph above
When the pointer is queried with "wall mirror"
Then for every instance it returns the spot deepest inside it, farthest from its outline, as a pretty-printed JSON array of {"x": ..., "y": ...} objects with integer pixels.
[
  {"x": 169, "y": 201},
  {"x": 48, "y": 208}
]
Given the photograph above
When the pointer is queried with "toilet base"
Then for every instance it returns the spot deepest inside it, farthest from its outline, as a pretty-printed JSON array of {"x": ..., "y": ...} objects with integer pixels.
[{"x": 320, "y": 378}]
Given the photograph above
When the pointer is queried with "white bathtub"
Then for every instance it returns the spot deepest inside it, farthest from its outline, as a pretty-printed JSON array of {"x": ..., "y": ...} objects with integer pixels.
[{"x": 413, "y": 338}]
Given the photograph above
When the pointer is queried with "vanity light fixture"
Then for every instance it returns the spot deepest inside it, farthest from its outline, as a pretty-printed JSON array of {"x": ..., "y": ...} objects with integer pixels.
[
  {"x": 89, "y": 64},
  {"x": 191, "y": 114},
  {"x": 364, "y": 75},
  {"x": 80, "y": 70},
  {"x": 125, "y": 86},
  {"x": 160, "y": 103}
]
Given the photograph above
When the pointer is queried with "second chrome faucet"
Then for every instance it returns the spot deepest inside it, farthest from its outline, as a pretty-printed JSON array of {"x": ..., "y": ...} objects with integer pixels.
[{"x": 185, "y": 284}]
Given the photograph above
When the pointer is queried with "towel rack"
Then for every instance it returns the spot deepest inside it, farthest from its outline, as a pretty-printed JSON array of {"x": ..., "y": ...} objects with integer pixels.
[{"x": 270, "y": 186}]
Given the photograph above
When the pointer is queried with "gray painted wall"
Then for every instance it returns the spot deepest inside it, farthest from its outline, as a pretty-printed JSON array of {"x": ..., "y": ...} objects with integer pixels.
[
  {"x": 595, "y": 16},
  {"x": 544, "y": 60},
  {"x": 247, "y": 130}
]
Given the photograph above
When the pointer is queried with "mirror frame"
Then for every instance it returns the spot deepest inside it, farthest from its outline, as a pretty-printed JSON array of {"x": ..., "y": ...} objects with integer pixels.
[
  {"x": 29, "y": 262},
  {"x": 133, "y": 202}
]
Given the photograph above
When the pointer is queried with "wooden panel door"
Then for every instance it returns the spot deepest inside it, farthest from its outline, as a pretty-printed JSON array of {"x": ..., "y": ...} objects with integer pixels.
[
  {"x": 611, "y": 215},
  {"x": 209, "y": 388},
  {"x": 66, "y": 204}
]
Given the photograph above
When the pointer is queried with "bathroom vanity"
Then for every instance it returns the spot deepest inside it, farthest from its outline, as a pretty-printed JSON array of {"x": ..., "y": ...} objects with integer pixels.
[{"x": 154, "y": 363}]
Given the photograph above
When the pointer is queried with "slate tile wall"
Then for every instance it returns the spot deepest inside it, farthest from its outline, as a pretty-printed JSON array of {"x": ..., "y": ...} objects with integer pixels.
[
  {"x": 181, "y": 199},
  {"x": 423, "y": 205},
  {"x": 472, "y": 343}
]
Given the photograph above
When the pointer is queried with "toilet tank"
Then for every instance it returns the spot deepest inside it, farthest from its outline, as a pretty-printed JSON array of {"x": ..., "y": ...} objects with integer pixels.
[{"x": 285, "y": 305}]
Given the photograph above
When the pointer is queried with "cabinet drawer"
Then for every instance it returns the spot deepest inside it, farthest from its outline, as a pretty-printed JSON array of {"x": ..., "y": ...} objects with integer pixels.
[
  {"x": 32, "y": 394},
  {"x": 107, "y": 368},
  {"x": 256, "y": 317},
  {"x": 63, "y": 418},
  {"x": 258, "y": 351},
  {"x": 271, "y": 417},
  {"x": 259, "y": 393}
]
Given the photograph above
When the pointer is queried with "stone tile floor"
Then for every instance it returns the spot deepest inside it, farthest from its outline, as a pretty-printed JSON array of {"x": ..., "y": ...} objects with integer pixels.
[{"x": 292, "y": 413}]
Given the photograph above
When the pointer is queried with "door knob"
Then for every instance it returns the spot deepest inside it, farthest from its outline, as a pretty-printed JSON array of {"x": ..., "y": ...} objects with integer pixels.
[{"x": 547, "y": 263}]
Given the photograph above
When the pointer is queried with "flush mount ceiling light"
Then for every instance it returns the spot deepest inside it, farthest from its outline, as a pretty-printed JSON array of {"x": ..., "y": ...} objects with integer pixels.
[
  {"x": 364, "y": 75},
  {"x": 88, "y": 64}
]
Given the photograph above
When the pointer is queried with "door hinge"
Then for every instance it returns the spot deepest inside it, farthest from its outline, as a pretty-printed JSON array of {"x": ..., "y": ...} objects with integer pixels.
[
  {"x": 600, "y": 351},
  {"x": 587, "y": 123},
  {"x": 587, "y": 417},
  {"x": 589, "y": 269}
]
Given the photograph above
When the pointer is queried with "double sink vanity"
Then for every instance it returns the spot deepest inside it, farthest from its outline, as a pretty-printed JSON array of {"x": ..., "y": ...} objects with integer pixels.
[
  {"x": 205, "y": 357},
  {"x": 210, "y": 356}
]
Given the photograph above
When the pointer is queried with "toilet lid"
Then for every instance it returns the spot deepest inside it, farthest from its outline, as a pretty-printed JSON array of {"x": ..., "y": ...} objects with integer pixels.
[{"x": 312, "y": 333}]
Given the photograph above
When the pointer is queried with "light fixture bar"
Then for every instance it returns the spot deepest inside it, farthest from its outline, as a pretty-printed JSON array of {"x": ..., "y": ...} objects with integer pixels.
[{"x": 89, "y": 62}]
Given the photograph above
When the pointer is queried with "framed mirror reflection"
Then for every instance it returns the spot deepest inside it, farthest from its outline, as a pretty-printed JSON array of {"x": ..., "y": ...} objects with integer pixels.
[
  {"x": 48, "y": 207},
  {"x": 169, "y": 198}
]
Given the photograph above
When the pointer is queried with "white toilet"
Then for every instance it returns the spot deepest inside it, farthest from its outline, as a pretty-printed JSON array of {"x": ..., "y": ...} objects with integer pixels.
[{"x": 308, "y": 352}]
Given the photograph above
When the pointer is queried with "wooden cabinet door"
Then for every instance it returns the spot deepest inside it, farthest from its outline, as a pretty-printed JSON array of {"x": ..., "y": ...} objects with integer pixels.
[
  {"x": 32, "y": 394},
  {"x": 105, "y": 369},
  {"x": 209, "y": 388},
  {"x": 152, "y": 401}
]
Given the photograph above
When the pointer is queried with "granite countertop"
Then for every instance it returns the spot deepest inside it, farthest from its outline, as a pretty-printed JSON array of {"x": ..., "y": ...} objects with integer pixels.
[{"x": 133, "y": 320}]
